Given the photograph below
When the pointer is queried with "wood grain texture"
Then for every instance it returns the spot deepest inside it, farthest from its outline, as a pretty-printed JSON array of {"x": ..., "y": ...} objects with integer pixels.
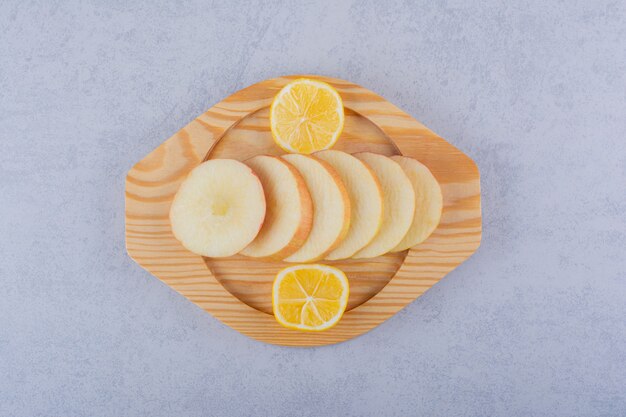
[{"x": 238, "y": 128}]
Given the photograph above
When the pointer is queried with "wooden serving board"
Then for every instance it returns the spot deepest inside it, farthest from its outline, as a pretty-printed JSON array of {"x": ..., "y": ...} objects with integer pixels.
[{"x": 237, "y": 290}]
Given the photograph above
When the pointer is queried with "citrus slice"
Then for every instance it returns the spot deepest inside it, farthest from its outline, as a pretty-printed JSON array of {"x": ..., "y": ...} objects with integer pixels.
[
  {"x": 310, "y": 297},
  {"x": 306, "y": 116}
]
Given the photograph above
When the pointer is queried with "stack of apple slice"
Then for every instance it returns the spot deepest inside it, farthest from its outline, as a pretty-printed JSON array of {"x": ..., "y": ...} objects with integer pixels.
[{"x": 303, "y": 208}]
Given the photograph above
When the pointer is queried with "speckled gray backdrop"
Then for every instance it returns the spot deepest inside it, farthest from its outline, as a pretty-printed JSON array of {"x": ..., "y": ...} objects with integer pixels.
[{"x": 534, "y": 324}]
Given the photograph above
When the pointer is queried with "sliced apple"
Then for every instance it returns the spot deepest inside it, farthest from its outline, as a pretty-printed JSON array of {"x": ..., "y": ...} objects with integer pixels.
[
  {"x": 398, "y": 203},
  {"x": 366, "y": 201},
  {"x": 331, "y": 208},
  {"x": 428, "y": 202},
  {"x": 289, "y": 213},
  {"x": 218, "y": 209}
]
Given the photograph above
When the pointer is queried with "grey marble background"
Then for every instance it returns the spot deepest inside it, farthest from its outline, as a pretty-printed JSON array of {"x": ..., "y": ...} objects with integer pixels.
[{"x": 534, "y": 324}]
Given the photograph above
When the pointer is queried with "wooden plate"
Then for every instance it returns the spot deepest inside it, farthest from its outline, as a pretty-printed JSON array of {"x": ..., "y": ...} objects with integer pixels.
[{"x": 237, "y": 290}]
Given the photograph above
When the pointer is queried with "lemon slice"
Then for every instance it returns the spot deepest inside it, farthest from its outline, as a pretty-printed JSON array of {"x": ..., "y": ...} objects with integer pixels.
[
  {"x": 306, "y": 116},
  {"x": 310, "y": 297}
]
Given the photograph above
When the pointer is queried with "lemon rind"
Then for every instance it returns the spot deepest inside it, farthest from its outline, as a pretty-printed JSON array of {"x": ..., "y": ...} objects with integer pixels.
[
  {"x": 343, "y": 300},
  {"x": 320, "y": 84}
]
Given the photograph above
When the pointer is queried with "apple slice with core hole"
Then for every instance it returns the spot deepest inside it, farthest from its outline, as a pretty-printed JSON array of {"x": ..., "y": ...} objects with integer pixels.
[
  {"x": 218, "y": 209},
  {"x": 331, "y": 208},
  {"x": 289, "y": 213},
  {"x": 428, "y": 202},
  {"x": 366, "y": 201},
  {"x": 398, "y": 204}
]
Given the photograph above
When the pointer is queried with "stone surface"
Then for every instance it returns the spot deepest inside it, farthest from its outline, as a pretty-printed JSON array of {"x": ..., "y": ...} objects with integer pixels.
[{"x": 533, "y": 324}]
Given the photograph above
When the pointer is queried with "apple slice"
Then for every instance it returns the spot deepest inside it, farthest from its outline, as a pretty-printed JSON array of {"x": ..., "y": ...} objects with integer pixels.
[
  {"x": 218, "y": 209},
  {"x": 398, "y": 203},
  {"x": 366, "y": 201},
  {"x": 428, "y": 202},
  {"x": 289, "y": 213},
  {"x": 331, "y": 208}
]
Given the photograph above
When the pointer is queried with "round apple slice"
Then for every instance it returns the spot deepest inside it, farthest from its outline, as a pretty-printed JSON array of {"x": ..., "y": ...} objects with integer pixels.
[
  {"x": 289, "y": 213},
  {"x": 218, "y": 209},
  {"x": 428, "y": 202},
  {"x": 331, "y": 208},
  {"x": 366, "y": 202},
  {"x": 398, "y": 203}
]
